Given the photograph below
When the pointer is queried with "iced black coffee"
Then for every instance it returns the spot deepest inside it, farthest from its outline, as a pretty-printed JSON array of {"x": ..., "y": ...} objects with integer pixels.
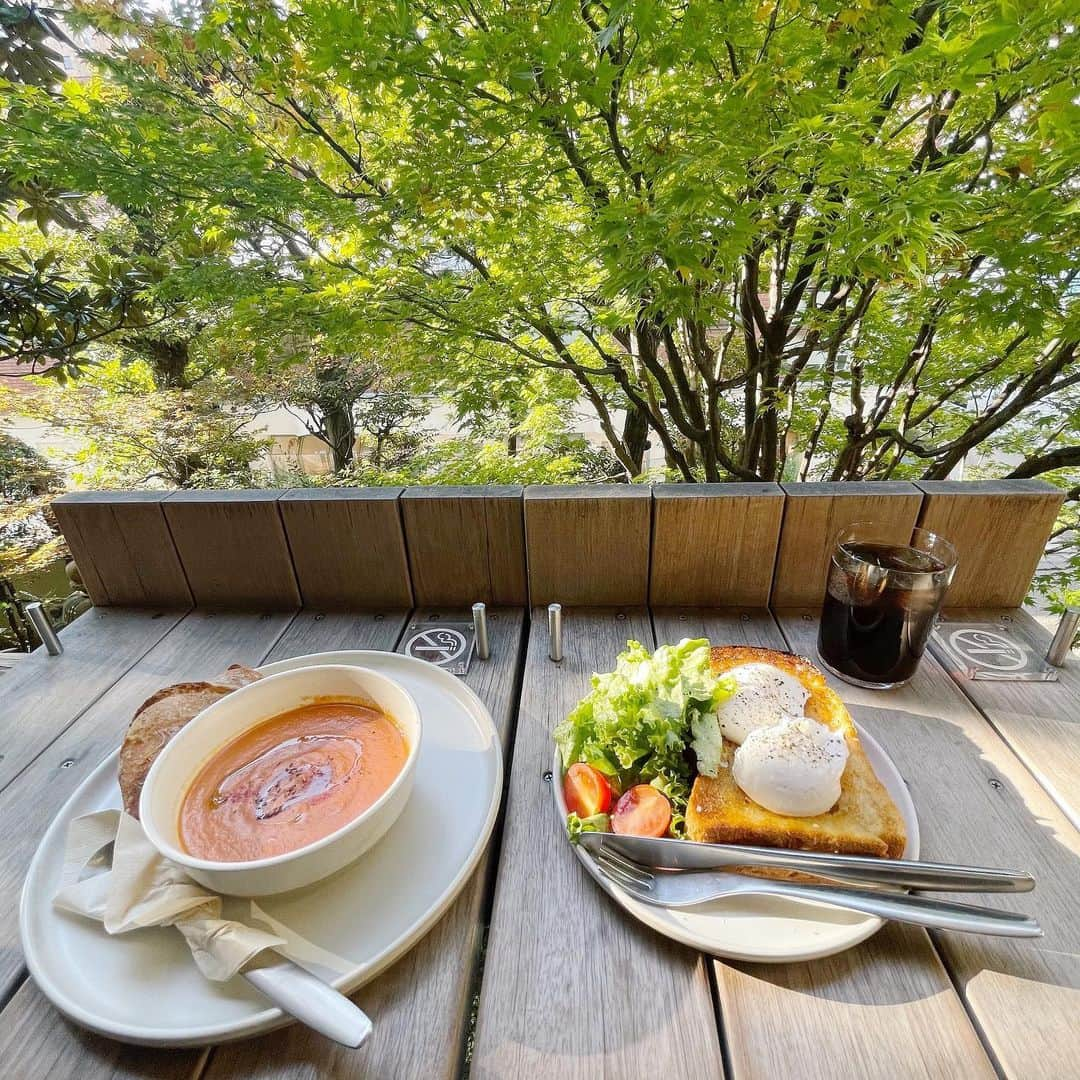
[{"x": 881, "y": 601}]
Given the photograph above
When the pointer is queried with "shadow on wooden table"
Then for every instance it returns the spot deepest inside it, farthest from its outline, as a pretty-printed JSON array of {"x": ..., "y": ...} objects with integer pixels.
[{"x": 976, "y": 804}]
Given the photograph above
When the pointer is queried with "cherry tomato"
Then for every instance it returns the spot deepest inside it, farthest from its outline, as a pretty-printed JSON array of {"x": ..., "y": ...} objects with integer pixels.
[
  {"x": 642, "y": 811},
  {"x": 586, "y": 791}
]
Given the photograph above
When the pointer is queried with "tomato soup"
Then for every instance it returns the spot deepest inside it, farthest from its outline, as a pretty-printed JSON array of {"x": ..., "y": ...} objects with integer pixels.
[{"x": 290, "y": 780}]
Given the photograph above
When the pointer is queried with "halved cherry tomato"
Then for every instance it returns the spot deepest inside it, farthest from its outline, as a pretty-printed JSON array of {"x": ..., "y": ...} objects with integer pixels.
[
  {"x": 586, "y": 791},
  {"x": 642, "y": 811}
]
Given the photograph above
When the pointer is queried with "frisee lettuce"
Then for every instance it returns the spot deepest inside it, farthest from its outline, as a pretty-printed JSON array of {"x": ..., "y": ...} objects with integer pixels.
[
  {"x": 575, "y": 825},
  {"x": 638, "y": 721}
]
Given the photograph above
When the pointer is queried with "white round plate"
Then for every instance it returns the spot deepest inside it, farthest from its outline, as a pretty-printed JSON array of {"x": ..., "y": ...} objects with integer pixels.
[
  {"x": 143, "y": 987},
  {"x": 764, "y": 928}
]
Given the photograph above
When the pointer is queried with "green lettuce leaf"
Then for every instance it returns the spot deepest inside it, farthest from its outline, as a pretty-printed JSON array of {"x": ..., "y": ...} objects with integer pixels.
[
  {"x": 575, "y": 825},
  {"x": 637, "y": 722}
]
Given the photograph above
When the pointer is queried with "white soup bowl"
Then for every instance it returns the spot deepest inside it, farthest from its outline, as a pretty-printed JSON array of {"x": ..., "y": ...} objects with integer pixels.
[{"x": 220, "y": 723}]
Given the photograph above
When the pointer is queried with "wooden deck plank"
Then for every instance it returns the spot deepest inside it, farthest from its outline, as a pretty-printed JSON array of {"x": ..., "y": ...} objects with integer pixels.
[
  {"x": 200, "y": 646},
  {"x": 123, "y": 548},
  {"x": 885, "y": 1008},
  {"x": 420, "y": 1006},
  {"x": 815, "y": 512},
  {"x": 348, "y": 547},
  {"x": 465, "y": 544},
  {"x": 1040, "y": 721},
  {"x": 999, "y": 529},
  {"x": 45, "y": 694},
  {"x": 318, "y": 631},
  {"x": 977, "y": 803},
  {"x": 37, "y": 1043},
  {"x": 572, "y": 987},
  {"x": 233, "y": 548},
  {"x": 588, "y": 544},
  {"x": 714, "y": 543}
]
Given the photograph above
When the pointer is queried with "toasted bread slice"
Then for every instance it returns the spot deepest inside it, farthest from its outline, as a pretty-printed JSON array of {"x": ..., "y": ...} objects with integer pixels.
[
  {"x": 160, "y": 717},
  {"x": 864, "y": 821}
]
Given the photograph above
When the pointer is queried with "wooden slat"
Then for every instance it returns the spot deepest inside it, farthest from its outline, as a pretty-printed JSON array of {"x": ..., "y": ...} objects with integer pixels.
[
  {"x": 1040, "y": 721},
  {"x": 588, "y": 545},
  {"x": 465, "y": 544},
  {"x": 314, "y": 632},
  {"x": 999, "y": 529},
  {"x": 420, "y": 1006},
  {"x": 714, "y": 544},
  {"x": 978, "y": 804},
  {"x": 38, "y": 1043},
  {"x": 572, "y": 987},
  {"x": 123, "y": 548},
  {"x": 348, "y": 547},
  {"x": 45, "y": 694},
  {"x": 814, "y": 513},
  {"x": 200, "y": 646},
  {"x": 884, "y": 1009},
  {"x": 233, "y": 549}
]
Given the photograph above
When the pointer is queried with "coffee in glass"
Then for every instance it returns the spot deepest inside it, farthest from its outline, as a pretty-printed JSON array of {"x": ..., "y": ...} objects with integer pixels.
[{"x": 881, "y": 600}]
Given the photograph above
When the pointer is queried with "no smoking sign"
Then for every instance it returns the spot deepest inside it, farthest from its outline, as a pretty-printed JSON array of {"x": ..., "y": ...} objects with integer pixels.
[
  {"x": 992, "y": 652},
  {"x": 445, "y": 644}
]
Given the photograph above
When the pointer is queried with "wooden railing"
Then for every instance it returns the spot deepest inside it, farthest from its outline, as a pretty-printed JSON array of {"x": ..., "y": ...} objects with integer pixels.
[{"x": 751, "y": 545}]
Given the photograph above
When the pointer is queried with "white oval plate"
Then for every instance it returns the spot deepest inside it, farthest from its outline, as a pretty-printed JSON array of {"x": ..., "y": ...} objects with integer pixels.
[
  {"x": 143, "y": 987},
  {"x": 764, "y": 928}
]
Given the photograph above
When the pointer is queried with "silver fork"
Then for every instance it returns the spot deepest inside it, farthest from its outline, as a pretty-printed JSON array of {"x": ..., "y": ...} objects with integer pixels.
[{"x": 686, "y": 888}]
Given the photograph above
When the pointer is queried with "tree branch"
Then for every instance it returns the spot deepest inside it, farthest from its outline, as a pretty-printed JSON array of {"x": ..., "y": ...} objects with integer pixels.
[{"x": 1061, "y": 458}]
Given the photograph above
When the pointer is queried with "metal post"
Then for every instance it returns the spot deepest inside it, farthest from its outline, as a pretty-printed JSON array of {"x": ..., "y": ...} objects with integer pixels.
[
  {"x": 43, "y": 625},
  {"x": 555, "y": 631},
  {"x": 1062, "y": 644},
  {"x": 479, "y": 621}
]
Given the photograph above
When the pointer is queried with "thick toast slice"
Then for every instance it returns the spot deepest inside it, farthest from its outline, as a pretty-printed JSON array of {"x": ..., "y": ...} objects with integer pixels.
[
  {"x": 160, "y": 717},
  {"x": 864, "y": 821}
]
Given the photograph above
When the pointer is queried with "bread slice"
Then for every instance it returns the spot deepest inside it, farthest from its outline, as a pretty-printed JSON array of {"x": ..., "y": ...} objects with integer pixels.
[
  {"x": 160, "y": 717},
  {"x": 864, "y": 821}
]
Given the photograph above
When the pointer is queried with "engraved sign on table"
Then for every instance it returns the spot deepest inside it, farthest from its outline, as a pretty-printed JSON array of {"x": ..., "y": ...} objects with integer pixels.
[
  {"x": 448, "y": 645},
  {"x": 993, "y": 651}
]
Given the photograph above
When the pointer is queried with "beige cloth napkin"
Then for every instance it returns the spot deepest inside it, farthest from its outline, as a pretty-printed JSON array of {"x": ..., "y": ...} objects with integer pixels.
[{"x": 144, "y": 889}]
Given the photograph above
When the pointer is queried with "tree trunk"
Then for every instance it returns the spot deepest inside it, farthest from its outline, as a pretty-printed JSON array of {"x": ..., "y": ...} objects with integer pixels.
[
  {"x": 338, "y": 425},
  {"x": 168, "y": 359},
  {"x": 635, "y": 437},
  {"x": 337, "y": 422},
  {"x": 185, "y": 467}
]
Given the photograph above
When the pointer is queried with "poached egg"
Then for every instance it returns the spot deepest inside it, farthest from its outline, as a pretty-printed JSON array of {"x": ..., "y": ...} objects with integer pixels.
[
  {"x": 792, "y": 767},
  {"x": 763, "y": 694}
]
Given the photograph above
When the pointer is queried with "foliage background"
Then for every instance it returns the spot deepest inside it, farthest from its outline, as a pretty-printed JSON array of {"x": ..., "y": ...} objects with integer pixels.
[{"x": 756, "y": 240}]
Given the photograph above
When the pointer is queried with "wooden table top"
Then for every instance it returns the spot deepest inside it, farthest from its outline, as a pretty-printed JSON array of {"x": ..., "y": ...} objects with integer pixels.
[{"x": 534, "y": 972}]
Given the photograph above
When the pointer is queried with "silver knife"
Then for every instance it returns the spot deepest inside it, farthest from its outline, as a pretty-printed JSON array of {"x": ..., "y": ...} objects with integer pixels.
[{"x": 861, "y": 869}]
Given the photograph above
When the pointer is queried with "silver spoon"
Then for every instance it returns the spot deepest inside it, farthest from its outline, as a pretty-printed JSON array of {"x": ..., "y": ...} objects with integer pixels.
[{"x": 290, "y": 987}]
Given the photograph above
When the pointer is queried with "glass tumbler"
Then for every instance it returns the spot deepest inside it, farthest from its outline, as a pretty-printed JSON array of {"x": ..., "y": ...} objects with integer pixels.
[{"x": 881, "y": 600}]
